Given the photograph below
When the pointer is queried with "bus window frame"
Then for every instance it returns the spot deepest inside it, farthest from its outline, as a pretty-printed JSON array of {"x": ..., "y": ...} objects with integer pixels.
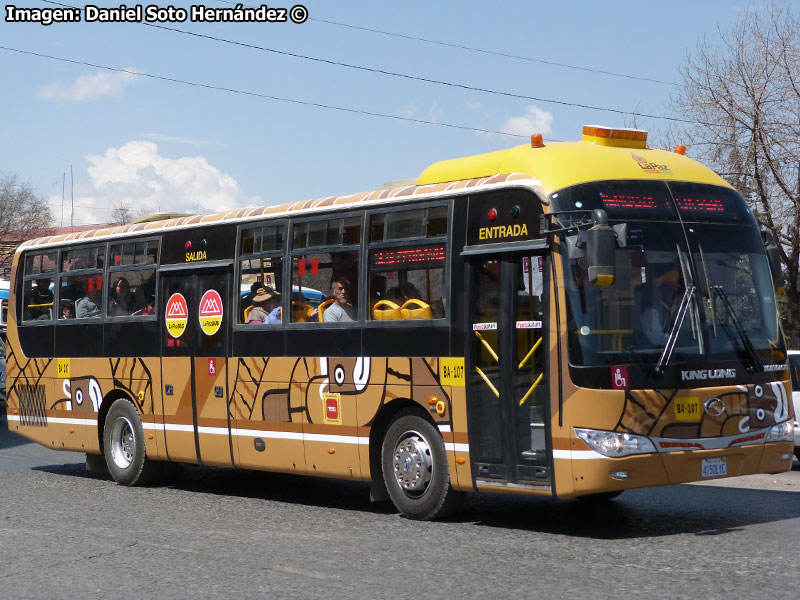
[
  {"x": 445, "y": 240},
  {"x": 101, "y": 318},
  {"x": 109, "y": 270},
  {"x": 292, "y": 253},
  {"x": 21, "y": 321},
  {"x": 282, "y": 253}
]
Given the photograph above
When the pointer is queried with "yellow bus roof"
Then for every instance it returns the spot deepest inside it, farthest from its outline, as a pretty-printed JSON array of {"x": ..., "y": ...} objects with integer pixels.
[
  {"x": 561, "y": 164},
  {"x": 546, "y": 168}
]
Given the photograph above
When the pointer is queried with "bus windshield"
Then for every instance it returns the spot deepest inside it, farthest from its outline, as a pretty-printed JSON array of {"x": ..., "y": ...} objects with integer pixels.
[{"x": 718, "y": 269}]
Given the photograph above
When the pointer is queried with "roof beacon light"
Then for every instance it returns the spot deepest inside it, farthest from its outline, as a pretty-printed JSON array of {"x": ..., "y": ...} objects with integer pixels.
[
  {"x": 537, "y": 141},
  {"x": 680, "y": 149},
  {"x": 617, "y": 138}
]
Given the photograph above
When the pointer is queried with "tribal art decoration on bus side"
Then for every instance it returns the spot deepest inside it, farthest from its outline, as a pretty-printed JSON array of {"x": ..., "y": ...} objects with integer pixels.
[
  {"x": 656, "y": 413},
  {"x": 83, "y": 393},
  {"x": 131, "y": 376},
  {"x": 293, "y": 390},
  {"x": 24, "y": 382}
]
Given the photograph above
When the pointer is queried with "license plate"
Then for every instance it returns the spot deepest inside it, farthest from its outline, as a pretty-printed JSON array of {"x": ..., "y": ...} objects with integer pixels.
[
  {"x": 714, "y": 467},
  {"x": 687, "y": 409}
]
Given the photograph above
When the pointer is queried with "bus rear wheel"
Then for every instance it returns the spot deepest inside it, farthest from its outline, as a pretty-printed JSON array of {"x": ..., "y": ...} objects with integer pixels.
[
  {"x": 415, "y": 468},
  {"x": 123, "y": 446}
]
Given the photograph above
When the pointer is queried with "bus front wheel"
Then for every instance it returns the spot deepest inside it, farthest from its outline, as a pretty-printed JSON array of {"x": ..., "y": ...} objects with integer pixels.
[
  {"x": 415, "y": 468},
  {"x": 123, "y": 446}
]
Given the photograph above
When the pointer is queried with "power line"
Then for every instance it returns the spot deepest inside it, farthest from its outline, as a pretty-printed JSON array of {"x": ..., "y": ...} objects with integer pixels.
[
  {"x": 266, "y": 96},
  {"x": 451, "y": 84},
  {"x": 58, "y": 204},
  {"x": 404, "y": 75},
  {"x": 481, "y": 50},
  {"x": 492, "y": 52}
]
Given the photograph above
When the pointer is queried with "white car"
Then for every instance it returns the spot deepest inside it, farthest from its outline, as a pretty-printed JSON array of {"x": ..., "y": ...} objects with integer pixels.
[{"x": 794, "y": 372}]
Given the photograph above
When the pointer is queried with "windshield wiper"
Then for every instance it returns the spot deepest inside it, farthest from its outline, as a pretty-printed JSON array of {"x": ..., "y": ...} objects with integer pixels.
[
  {"x": 745, "y": 339},
  {"x": 709, "y": 285},
  {"x": 677, "y": 323}
]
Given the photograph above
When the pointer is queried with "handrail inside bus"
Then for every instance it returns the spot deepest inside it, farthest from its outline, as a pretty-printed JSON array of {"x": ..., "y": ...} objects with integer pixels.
[
  {"x": 486, "y": 379},
  {"x": 487, "y": 346},
  {"x": 530, "y": 352},
  {"x": 533, "y": 387}
]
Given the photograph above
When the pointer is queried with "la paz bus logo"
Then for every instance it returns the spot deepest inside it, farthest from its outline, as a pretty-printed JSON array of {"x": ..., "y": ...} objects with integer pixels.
[
  {"x": 210, "y": 312},
  {"x": 176, "y": 315},
  {"x": 650, "y": 167}
]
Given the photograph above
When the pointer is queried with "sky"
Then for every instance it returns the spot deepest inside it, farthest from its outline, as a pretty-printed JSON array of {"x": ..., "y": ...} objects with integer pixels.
[{"x": 200, "y": 117}]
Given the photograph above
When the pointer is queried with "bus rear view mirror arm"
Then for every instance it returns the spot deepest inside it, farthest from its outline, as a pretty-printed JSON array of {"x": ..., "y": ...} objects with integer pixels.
[{"x": 601, "y": 250}]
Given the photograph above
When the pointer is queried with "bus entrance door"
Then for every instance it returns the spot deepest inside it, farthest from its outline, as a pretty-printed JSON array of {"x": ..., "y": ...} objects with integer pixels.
[
  {"x": 195, "y": 344},
  {"x": 507, "y": 392}
]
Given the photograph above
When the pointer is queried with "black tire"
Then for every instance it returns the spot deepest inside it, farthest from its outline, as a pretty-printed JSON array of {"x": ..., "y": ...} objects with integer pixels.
[
  {"x": 797, "y": 452},
  {"x": 415, "y": 468},
  {"x": 123, "y": 446}
]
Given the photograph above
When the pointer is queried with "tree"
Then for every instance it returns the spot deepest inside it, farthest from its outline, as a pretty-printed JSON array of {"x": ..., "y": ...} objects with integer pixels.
[
  {"x": 22, "y": 210},
  {"x": 121, "y": 214},
  {"x": 742, "y": 90}
]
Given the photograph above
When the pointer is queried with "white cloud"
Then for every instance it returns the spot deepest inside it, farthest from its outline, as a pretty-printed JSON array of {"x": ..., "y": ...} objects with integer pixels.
[
  {"x": 136, "y": 176},
  {"x": 89, "y": 87},
  {"x": 535, "y": 120}
]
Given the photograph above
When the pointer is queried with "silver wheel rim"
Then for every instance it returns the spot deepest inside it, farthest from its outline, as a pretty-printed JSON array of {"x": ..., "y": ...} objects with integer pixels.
[
  {"x": 123, "y": 443},
  {"x": 413, "y": 464}
]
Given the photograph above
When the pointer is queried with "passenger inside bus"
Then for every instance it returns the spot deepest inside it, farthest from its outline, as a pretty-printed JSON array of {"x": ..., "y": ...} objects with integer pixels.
[
  {"x": 265, "y": 306},
  {"x": 89, "y": 305},
  {"x": 150, "y": 307},
  {"x": 340, "y": 309},
  {"x": 40, "y": 301},
  {"x": 122, "y": 303}
]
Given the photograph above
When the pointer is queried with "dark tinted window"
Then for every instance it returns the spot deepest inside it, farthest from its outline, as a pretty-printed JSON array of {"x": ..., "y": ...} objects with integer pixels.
[
  {"x": 620, "y": 199},
  {"x": 698, "y": 202}
]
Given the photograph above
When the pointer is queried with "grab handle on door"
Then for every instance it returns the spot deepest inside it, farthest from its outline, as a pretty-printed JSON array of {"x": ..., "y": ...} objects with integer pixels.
[{"x": 487, "y": 346}]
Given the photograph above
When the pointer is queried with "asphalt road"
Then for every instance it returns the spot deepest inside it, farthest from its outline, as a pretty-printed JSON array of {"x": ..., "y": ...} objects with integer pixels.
[{"x": 67, "y": 533}]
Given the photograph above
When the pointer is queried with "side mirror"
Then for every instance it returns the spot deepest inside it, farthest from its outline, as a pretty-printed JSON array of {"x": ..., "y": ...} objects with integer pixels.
[
  {"x": 774, "y": 258},
  {"x": 601, "y": 250}
]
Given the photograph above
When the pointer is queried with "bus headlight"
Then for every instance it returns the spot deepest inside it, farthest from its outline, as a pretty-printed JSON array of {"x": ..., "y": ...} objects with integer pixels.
[
  {"x": 782, "y": 432},
  {"x": 615, "y": 444}
]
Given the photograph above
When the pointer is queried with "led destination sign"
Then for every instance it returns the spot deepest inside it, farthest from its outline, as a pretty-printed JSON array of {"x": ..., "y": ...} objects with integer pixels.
[{"x": 428, "y": 256}]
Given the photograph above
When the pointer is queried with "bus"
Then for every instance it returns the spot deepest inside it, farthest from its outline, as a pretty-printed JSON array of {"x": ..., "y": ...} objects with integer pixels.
[{"x": 568, "y": 319}]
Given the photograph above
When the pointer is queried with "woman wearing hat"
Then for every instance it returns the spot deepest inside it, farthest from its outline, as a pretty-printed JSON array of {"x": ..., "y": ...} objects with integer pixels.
[{"x": 266, "y": 306}]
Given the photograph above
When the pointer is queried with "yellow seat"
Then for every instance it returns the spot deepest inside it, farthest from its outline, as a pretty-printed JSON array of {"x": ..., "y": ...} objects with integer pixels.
[
  {"x": 386, "y": 310},
  {"x": 247, "y": 312},
  {"x": 415, "y": 309},
  {"x": 301, "y": 311},
  {"x": 321, "y": 308}
]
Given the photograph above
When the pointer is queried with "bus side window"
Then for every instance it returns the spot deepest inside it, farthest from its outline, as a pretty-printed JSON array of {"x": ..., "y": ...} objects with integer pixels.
[
  {"x": 313, "y": 275},
  {"x": 407, "y": 283},
  {"x": 38, "y": 287},
  {"x": 260, "y": 297}
]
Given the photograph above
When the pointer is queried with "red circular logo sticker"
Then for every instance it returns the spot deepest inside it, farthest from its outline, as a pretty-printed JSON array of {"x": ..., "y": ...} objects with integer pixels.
[
  {"x": 210, "y": 312},
  {"x": 176, "y": 315}
]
